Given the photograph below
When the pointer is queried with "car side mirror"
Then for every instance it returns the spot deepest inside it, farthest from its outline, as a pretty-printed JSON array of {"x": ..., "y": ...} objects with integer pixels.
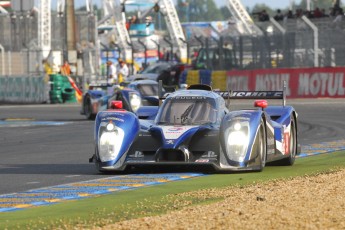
[
  {"x": 183, "y": 86},
  {"x": 116, "y": 105}
]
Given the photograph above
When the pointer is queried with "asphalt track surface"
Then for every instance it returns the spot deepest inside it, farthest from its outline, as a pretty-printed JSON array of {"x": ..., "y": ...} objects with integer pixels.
[{"x": 49, "y": 145}]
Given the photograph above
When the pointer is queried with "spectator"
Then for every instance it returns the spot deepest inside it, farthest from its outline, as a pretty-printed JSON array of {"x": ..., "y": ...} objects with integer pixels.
[
  {"x": 318, "y": 13},
  {"x": 263, "y": 17},
  {"x": 289, "y": 15},
  {"x": 299, "y": 13},
  {"x": 160, "y": 55},
  {"x": 166, "y": 54},
  {"x": 66, "y": 69},
  {"x": 336, "y": 6},
  {"x": 128, "y": 23},
  {"x": 338, "y": 17},
  {"x": 324, "y": 14},
  {"x": 112, "y": 77},
  {"x": 308, "y": 14},
  {"x": 134, "y": 20},
  {"x": 337, "y": 21},
  {"x": 279, "y": 16},
  {"x": 47, "y": 67},
  {"x": 122, "y": 71},
  {"x": 332, "y": 12},
  {"x": 148, "y": 20}
]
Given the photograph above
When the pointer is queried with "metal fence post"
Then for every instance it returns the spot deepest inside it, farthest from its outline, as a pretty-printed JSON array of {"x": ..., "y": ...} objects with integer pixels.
[{"x": 316, "y": 39}]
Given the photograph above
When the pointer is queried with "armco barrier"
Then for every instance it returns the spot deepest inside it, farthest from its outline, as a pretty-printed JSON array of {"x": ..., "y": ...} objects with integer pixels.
[
  {"x": 192, "y": 77},
  {"x": 219, "y": 80},
  {"x": 23, "y": 89},
  {"x": 301, "y": 83},
  {"x": 205, "y": 76}
]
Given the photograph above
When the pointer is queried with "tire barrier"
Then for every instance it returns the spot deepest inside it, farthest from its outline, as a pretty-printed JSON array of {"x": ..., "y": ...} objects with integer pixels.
[
  {"x": 61, "y": 90},
  {"x": 192, "y": 77},
  {"x": 55, "y": 86},
  {"x": 55, "y": 96},
  {"x": 219, "y": 80},
  {"x": 205, "y": 77},
  {"x": 68, "y": 95}
]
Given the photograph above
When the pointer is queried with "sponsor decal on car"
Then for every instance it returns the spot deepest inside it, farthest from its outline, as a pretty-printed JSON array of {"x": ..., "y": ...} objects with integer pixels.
[
  {"x": 174, "y": 132},
  {"x": 286, "y": 143},
  {"x": 258, "y": 94},
  {"x": 113, "y": 118},
  {"x": 175, "y": 129},
  {"x": 202, "y": 160},
  {"x": 189, "y": 98}
]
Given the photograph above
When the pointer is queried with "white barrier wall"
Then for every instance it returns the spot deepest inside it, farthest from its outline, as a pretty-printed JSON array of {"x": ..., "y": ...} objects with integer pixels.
[{"x": 23, "y": 89}]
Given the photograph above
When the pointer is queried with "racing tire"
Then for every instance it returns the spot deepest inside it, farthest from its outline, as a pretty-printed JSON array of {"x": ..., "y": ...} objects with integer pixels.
[
  {"x": 292, "y": 144},
  {"x": 260, "y": 146},
  {"x": 88, "y": 109}
]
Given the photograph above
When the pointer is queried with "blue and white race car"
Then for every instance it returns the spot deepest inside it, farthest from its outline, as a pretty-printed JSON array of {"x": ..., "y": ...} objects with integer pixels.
[
  {"x": 194, "y": 127},
  {"x": 148, "y": 90},
  {"x": 99, "y": 96}
]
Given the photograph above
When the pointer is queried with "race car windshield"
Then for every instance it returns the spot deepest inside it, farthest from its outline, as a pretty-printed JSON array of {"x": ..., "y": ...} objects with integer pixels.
[
  {"x": 148, "y": 90},
  {"x": 188, "y": 112}
]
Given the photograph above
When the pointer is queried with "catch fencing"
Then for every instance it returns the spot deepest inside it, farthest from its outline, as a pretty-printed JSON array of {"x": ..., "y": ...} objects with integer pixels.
[
  {"x": 19, "y": 50},
  {"x": 292, "y": 43}
]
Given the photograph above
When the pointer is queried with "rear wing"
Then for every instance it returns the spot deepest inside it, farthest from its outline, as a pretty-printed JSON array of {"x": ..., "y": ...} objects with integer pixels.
[
  {"x": 255, "y": 94},
  {"x": 251, "y": 94},
  {"x": 235, "y": 94}
]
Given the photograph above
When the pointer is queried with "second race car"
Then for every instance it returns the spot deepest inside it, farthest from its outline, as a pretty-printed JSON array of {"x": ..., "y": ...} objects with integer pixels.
[{"x": 99, "y": 96}]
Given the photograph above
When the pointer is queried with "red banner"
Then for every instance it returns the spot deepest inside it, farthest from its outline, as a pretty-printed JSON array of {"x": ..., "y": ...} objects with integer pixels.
[
  {"x": 149, "y": 53},
  {"x": 301, "y": 83}
]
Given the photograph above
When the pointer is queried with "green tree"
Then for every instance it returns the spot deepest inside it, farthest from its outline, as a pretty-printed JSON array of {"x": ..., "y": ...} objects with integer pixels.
[
  {"x": 183, "y": 10},
  {"x": 260, "y": 7},
  {"x": 204, "y": 10},
  {"x": 225, "y": 12}
]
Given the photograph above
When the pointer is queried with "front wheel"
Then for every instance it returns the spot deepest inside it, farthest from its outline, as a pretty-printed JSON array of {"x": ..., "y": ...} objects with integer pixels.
[
  {"x": 262, "y": 148},
  {"x": 88, "y": 109}
]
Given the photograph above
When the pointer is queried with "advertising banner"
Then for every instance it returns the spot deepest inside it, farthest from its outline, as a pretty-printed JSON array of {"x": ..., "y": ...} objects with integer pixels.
[{"x": 301, "y": 83}]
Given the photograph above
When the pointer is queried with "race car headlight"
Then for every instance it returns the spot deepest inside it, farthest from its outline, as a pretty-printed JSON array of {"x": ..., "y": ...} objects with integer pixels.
[
  {"x": 135, "y": 101},
  {"x": 110, "y": 127},
  {"x": 237, "y": 141},
  {"x": 110, "y": 142}
]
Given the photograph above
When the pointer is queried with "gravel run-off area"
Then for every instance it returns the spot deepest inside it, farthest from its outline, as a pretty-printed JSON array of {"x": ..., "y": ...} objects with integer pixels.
[{"x": 310, "y": 202}]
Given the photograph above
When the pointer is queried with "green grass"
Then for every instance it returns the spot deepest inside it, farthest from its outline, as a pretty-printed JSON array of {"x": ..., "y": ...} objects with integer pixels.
[{"x": 155, "y": 200}]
